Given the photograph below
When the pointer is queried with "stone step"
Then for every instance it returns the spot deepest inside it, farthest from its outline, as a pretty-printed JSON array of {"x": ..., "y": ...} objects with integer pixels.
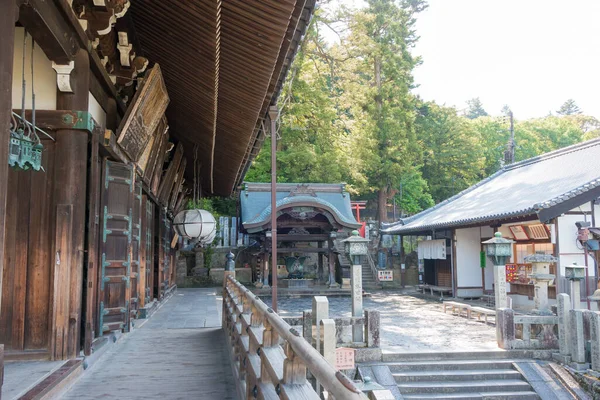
[
  {"x": 456, "y": 375},
  {"x": 453, "y": 365},
  {"x": 501, "y": 395},
  {"x": 500, "y": 385},
  {"x": 458, "y": 355}
]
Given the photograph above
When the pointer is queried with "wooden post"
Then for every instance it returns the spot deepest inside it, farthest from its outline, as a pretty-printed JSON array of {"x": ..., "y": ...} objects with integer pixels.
[
  {"x": 331, "y": 261},
  {"x": 92, "y": 244},
  {"x": 70, "y": 182},
  {"x": 8, "y": 17},
  {"x": 1, "y": 368},
  {"x": 273, "y": 114}
]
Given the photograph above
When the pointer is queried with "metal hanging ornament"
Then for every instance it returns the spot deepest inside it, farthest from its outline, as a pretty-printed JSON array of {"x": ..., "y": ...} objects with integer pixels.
[{"x": 25, "y": 150}]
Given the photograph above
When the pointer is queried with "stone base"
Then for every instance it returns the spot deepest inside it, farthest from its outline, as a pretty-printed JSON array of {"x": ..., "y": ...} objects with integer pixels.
[
  {"x": 580, "y": 366},
  {"x": 366, "y": 354},
  {"x": 561, "y": 358},
  {"x": 345, "y": 283}
]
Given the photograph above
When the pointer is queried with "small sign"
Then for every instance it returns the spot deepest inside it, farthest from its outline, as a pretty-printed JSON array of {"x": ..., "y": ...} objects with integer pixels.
[
  {"x": 385, "y": 276},
  {"x": 344, "y": 358},
  {"x": 482, "y": 260}
]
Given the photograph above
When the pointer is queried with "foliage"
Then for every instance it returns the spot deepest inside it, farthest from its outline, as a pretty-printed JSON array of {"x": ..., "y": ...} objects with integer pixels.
[
  {"x": 348, "y": 115},
  {"x": 475, "y": 109},
  {"x": 217, "y": 206},
  {"x": 569, "y": 107}
]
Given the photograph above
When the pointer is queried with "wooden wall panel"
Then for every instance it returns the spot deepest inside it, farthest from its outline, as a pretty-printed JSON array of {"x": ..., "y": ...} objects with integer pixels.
[
  {"x": 24, "y": 318},
  {"x": 40, "y": 253}
]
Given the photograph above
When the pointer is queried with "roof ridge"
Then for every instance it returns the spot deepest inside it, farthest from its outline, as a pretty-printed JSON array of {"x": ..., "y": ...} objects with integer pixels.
[
  {"x": 554, "y": 153},
  {"x": 450, "y": 199}
]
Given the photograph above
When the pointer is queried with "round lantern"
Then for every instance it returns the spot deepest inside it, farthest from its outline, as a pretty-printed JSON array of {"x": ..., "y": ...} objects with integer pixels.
[{"x": 196, "y": 224}]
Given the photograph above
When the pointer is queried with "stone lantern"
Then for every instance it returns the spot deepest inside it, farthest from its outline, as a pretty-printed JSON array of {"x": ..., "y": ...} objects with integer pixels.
[
  {"x": 499, "y": 251},
  {"x": 355, "y": 247},
  {"x": 575, "y": 273},
  {"x": 541, "y": 278}
]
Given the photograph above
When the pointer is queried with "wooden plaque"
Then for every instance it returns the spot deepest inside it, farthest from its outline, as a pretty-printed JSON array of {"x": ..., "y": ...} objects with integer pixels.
[{"x": 144, "y": 114}]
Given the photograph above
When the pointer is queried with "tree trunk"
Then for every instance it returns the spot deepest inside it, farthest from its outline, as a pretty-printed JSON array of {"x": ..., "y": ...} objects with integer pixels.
[{"x": 382, "y": 198}]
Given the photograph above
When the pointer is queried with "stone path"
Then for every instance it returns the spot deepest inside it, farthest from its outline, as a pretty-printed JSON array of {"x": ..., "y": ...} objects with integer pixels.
[
  {"x": 20, "y": 376},
  {"x": 179, "y": 353},
  {"x": 408, "y": 324}
]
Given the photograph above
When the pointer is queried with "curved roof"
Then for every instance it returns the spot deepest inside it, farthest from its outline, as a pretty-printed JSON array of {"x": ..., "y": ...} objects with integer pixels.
[
  {"x": 255, "y": 200},
  {"x": 542, "y": 187}
]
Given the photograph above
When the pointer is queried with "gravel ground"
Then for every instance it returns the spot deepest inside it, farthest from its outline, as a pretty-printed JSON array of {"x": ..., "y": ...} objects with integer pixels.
[{"x": 408, "y": 324}]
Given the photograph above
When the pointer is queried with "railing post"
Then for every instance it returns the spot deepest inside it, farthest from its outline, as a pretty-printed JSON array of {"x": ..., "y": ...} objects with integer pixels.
[
  {"x": 505, "y": 327},
  {"x": 562, "y": 310},
  {"x": 372, "y": 327},
  {"x": 320, "y": 310},
  {"x": 595, "y": 339},
  {"x": 307, "y": 332},
  {"x": 294, "y": 370},
  {"x": 526, "y": 333},
  {"x": 577, "y": 337}
]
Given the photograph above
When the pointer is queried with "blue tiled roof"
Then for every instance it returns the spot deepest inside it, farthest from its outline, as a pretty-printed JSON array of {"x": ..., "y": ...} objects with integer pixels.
[
  {"x": 531, "y": 187},
  {"x": 256, "y": 201}
]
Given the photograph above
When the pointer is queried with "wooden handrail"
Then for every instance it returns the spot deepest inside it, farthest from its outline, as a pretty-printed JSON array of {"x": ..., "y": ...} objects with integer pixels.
[
  {"x": 373, "y": 267},
  {"x": 256, "y": 333}
]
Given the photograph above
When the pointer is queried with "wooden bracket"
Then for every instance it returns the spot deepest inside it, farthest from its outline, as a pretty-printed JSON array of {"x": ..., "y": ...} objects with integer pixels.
[{"x": 63, "y": 76}]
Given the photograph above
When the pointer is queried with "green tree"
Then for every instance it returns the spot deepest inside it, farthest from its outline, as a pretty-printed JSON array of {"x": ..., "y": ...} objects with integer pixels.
[
  {"x": 453, "y": 157},
  {"x": 569, "y": 107},
  {"x": 475, "y": 109},
  {"x": 378, "y": 81}
]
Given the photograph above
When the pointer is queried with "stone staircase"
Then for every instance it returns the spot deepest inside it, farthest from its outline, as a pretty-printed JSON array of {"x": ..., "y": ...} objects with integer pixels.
[
  {"x": 459, "y": 379},
  {"x": 475, "y": 375}
]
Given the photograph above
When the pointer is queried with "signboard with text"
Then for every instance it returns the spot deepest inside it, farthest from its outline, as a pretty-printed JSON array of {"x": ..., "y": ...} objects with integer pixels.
[
  {"x": 385, "y": 276},
  {"x": 344, "y": 358}
]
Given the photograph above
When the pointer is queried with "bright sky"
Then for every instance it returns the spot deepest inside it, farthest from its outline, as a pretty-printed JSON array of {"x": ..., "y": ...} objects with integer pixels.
[{"x": 530, "y": 54}]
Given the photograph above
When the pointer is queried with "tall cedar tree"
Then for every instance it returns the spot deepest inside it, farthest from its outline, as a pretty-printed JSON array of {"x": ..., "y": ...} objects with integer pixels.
[{"x": 381, "y": 37}]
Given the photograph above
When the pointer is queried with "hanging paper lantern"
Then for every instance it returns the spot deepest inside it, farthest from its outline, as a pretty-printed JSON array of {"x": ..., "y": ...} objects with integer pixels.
[{"x": 196, "y": 224}]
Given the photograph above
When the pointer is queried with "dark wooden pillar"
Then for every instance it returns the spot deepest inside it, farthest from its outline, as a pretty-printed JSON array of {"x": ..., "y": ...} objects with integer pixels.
[
  {"x": 320, "y": 273},
  {"x": 330, "y": 257},
  {"x": 8, "y": 17},
  {"x": 70, "y": 194}
]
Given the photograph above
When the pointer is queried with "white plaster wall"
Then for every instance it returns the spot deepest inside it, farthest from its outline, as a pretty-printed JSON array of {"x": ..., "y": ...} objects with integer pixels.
[
  {"x": 44, "y": 76},
  {"x": 468, "y": 247},
  {"x": 96, "y": 110},
  {"x": 570, "y": 250}
]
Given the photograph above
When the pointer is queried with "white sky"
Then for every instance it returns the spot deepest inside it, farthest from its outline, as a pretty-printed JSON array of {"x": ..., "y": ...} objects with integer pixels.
[{"x": 530, "y": 54}]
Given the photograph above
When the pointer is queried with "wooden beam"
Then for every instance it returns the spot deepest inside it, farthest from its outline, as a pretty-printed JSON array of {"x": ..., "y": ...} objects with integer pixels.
[
  {"x": 7, "y": 40},
  {"x": 48, "y": 27},
  {"x": 302, "y": 238},
  {"x": 71, "y": 184},
  {"x": 64, "y": 119},
  {"x": 288, "y": 250}
]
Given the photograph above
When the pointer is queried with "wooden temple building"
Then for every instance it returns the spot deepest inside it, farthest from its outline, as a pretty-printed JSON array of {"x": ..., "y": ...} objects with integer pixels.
[
  {"x": 136, "y": 102},
  {"x": 311, "y": 219}
]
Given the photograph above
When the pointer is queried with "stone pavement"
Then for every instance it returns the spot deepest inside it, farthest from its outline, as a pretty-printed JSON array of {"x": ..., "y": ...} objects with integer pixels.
[
  {"x": 408, "y": 324},
  {"x": 179, "y": 353},
  {"x": 20, "y": 376}
]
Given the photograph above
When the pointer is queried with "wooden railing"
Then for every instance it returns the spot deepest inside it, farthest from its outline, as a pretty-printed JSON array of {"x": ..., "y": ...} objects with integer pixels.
[
  {"x": 270, "y": 359},
  {"x": 373, "y": 268}
]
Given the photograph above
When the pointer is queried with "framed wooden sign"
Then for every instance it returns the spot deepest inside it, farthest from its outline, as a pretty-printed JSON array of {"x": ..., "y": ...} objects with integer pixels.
[
  {"x": 518, "y": 232},
  {"x": 144, "y": 114}
]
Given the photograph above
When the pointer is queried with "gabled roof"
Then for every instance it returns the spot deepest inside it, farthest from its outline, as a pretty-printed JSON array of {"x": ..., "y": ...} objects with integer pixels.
[
  {"x": 255, "y": 200},
  {"x": 543, "y": 187}
]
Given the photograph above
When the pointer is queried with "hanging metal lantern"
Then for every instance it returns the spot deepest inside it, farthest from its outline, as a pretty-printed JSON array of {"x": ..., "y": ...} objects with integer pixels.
[
  {"x": 37, "y": 156},
  {"x": 26, "y": 159},
  {"x": 196, "y": 224},
  {"x": 15, "y": 149}
]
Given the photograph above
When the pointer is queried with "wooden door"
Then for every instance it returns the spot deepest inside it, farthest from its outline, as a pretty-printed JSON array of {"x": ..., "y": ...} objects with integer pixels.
[
  {"x": 136, "y": 232},
  {"x": 165, "y": 253},
  {"x": 148, "y": 242},
  {"x": 116, "y": 240}
]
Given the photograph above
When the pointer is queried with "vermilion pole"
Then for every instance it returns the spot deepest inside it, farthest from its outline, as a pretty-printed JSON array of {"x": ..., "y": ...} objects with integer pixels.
[{"x": 273, "y": 114}]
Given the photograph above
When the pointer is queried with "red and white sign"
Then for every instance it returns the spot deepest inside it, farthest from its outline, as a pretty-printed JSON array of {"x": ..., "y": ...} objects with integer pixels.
[
  {"x": 344, "y": 358},
  {"x": 385, "y": 276}
]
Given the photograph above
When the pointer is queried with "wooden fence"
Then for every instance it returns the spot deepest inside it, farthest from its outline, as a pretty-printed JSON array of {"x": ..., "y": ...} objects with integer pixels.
[{"x": 270, "y": 359}]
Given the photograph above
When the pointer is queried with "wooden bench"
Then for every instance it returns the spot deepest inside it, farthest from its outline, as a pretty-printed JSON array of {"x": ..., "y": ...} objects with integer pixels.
[
  {"x": 479, "y": 311},
  {"x": 458, "y": 308},
  {"x": 440, "y": 289}
]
